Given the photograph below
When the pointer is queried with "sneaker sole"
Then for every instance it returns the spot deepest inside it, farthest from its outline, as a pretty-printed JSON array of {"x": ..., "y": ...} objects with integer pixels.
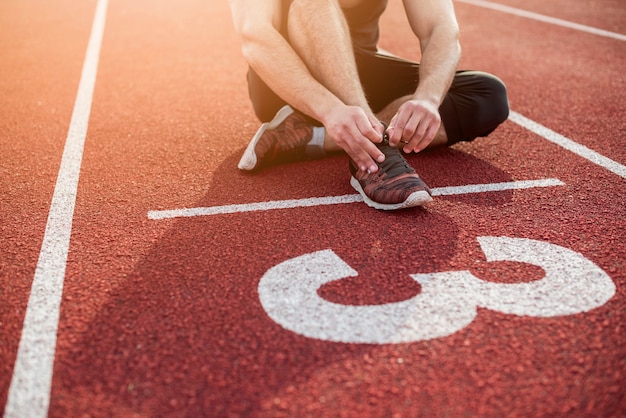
[
  {"x": 249, "y": 158},
  {"x": 414, "y": 199}
]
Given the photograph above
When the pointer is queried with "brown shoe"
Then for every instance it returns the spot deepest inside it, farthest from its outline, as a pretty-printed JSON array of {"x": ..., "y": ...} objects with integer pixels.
[
  {"x": 283, "y": 139},
  {"x": 395, "y": 185}
]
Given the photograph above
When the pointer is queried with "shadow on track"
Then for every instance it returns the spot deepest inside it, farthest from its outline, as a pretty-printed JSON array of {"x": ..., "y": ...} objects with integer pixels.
[{"x": 185, "y": 333}]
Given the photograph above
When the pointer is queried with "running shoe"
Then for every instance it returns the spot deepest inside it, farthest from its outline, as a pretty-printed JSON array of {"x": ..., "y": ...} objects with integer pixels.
[
  {"x": 395, "y": 185},
  {"x": 283, "y": 139}
]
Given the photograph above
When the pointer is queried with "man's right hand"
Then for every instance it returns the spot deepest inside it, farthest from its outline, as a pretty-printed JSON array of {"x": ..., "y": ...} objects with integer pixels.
[{"x": 356, "y": 132}]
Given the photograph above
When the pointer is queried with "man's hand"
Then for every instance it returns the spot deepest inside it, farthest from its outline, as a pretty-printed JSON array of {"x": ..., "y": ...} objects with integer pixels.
[
  {"x": 356, "y": 132},
  {"x": 414, "y": 126}
]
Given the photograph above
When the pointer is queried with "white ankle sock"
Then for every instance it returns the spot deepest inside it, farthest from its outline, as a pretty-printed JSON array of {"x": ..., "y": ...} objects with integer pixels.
[{"x": 315, "y": 147}]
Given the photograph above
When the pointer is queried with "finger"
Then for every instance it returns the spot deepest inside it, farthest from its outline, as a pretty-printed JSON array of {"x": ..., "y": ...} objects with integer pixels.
[
  {"x": 367, "y": 135},
  {"x": 412, "y": 129},
  {"x": 363, "y": 159},
  {"x": 390, "y": 130},
  {"x": 396, "y": 127},
  {"x": 379, "y": 127},
  {"x": 370, "y": 148},
  {"x": 420, "y": 132},
  {"x": 422, "y": 138},
  {"x": 410, "y": 143},
  {"x": 374, "y": 131},
  {"x": 363, "y": 151},
  {"x": 428, "y": 138}
]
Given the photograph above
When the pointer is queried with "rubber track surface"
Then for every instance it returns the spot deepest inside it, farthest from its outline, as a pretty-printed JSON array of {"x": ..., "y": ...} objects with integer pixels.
[{"x": 165, "y": 317}]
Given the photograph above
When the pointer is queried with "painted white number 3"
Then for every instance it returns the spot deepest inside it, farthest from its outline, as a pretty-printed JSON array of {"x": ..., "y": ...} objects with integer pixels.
[{"x": 447, "y": 302}]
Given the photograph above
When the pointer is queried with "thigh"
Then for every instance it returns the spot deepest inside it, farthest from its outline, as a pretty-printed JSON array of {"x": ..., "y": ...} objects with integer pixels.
[
  {"x": 474, "y": 106},
  {"x": 385, "y": 78}
]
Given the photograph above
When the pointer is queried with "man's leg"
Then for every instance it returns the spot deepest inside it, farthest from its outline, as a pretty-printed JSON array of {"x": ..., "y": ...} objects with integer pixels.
[
  {"x": 474, "y": 106},
  {"x": 319, "y": 33}
]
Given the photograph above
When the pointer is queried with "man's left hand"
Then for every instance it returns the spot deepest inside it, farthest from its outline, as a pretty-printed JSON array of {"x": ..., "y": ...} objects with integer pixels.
[{"x": 414, "y": 126}]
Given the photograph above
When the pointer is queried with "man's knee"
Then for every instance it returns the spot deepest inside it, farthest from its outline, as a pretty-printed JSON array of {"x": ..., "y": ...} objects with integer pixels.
[
  {"x": 497, "y": 104},
  {"x": 475, "y": 106}
]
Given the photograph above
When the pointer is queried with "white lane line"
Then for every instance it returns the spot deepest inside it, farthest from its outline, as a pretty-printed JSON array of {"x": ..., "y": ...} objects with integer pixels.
[
  {"x": 496, "y": 187},
  {"x": 568, "y": 144},
  {"x": 29, "y": 392},
  {"x": 544, "y": 18},
  {"x": 337, "y": 200}
]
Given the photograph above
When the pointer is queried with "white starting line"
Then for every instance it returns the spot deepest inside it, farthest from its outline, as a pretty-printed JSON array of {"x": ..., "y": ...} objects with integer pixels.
[{"x": 338, "y": 200}]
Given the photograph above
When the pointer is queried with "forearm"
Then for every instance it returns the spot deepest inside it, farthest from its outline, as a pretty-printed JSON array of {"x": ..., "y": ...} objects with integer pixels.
[
  {"x": 418, "y": 118},
  {"x": 441, "y": 54}
]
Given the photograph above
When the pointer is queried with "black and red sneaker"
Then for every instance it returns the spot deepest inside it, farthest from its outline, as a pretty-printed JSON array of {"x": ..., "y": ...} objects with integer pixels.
[
  {"x": 395, "y": 185},
  {"x": 283, "y": 139}
]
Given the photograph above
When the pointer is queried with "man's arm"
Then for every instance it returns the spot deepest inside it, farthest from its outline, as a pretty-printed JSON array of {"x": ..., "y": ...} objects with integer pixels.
[
  {"x": 282, "y": 69},
  {"x": 434, "y": 23}
]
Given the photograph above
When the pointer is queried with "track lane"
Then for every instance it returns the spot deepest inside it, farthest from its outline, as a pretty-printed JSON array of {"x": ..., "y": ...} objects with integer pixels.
[
  {"x": 185, "y": 289},
  {"x": 607, "y": 15},
  {"x": 163, "y": 317},
  {"x": 42, "y": 47},
  {"x": 568, "y": 81}
]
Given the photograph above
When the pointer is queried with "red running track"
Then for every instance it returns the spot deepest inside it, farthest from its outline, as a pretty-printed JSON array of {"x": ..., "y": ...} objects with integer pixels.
[{"x": 191, "y": 316}]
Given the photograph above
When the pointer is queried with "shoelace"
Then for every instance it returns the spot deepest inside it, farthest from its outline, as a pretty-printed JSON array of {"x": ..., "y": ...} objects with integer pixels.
[{"x": 394, "y": 163}]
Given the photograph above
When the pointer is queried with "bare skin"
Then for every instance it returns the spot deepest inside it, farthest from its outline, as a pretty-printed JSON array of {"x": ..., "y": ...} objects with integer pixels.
[
  {"x": 319, "y": 34},
  {"x": 316, "y": 73},
  {"x": 386, "y": 115}
]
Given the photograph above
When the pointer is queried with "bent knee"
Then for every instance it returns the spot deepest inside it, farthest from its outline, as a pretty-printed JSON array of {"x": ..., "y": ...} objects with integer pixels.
[
  {"x": 476, "y": 105},
  {"x": 498, "y": 103},
  {"x": 491, "y": 103}
]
